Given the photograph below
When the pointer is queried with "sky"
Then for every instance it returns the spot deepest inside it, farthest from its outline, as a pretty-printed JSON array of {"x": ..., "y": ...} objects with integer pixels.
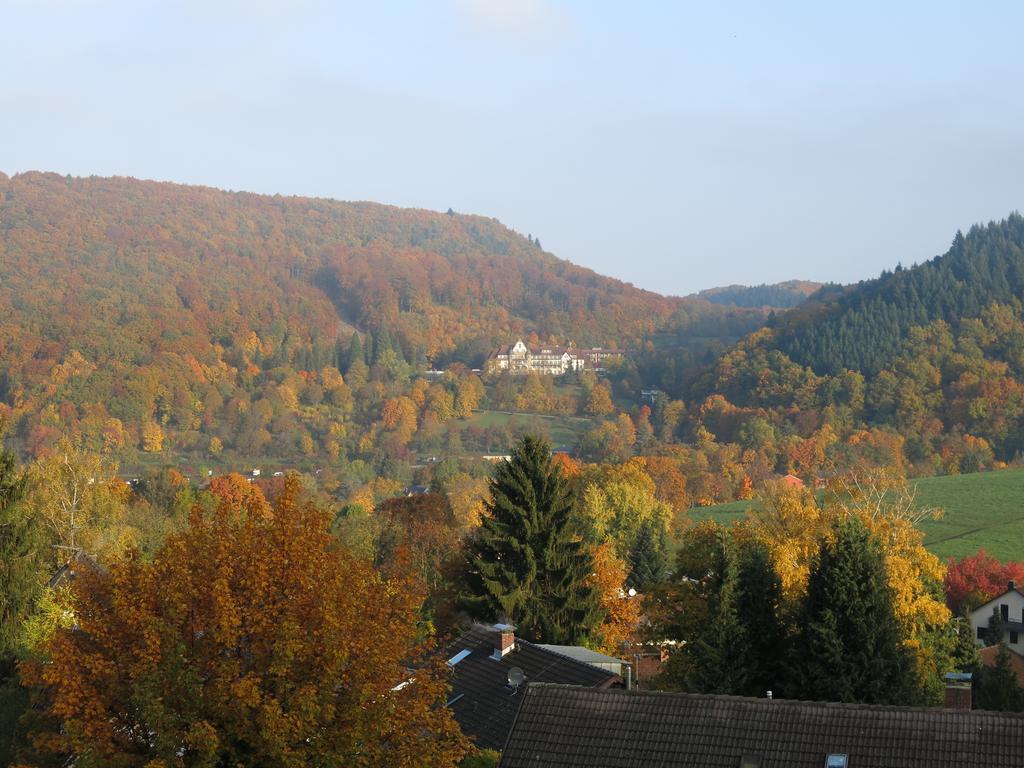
[{"x": 674, "y": 145}]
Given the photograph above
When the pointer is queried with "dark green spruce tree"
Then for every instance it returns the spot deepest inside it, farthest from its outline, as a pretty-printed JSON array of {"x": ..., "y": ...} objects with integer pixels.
[
  {"x": 22, "y": 551},
  {"x": 745, "y": 642},
  {"x": 647, "y": 561},
  {"x": 759, "y": 604},
  {"x": 996, "y": 687},
  {"x": 355, "y": 351},
  {"x": 717, "y": 659},
  {"x": 850, "y": 646},
  {"x": 529, "y": 564}
]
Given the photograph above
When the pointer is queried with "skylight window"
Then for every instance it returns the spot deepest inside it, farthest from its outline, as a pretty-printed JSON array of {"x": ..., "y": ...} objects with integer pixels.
[
  {"x": 459, "y": 657},
  {"x": 750, "y": 761},
  {"x": 835, "y": 761}
]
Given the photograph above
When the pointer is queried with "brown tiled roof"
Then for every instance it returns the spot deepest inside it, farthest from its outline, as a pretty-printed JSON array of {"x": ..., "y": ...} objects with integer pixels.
[
  {"x": 481, "y": 698},
  {"x": 566, "y": 726}
]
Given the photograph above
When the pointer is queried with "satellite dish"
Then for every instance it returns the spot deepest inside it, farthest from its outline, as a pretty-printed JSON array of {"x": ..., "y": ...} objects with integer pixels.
[{"x": 516, "y": 677}]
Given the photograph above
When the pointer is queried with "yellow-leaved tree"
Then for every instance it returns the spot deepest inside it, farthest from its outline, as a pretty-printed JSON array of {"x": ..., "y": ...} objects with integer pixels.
[
  {"x": 82, "y": 501},
  {"x": 621, "y": 612},
  {"x": 793, "y": 524}
]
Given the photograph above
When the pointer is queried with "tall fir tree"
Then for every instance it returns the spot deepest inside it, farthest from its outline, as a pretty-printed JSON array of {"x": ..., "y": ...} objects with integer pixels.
[
  {"x": 996, "y": 687},
  {"x": 529, "y": 564},
  {"x": 850, "y": 646},
  {"x": 995, "y": 633},
  {"x": 759, "y": 604},
  {"x": 741, "y": 652},
  {"x": 718, "y": 661},
  {"x": 355, "y": 351},
  {"x": 647, "y": 561},
  {"x": 22, "y": 558}
]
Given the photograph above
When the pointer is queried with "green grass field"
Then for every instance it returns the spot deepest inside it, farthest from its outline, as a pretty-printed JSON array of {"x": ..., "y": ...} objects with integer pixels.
[
  {"x": 562, "y": 430},
  {"x": 980, "y": 511}
]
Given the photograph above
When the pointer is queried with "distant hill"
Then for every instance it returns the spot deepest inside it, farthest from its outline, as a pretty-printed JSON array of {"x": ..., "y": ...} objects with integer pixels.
[
  {"x": 922, "y": 366},
  {"x": 861, "y": 327},
  {"x": 188, "y": 313},
  {"x": 778, "y": 296}
]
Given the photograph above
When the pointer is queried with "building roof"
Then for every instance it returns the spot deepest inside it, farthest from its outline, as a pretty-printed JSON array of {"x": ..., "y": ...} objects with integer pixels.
[
  {"x": 580, "y": 653},
  {"x": 482, "y": 700},
  {"x": 1013, "y": 588},
  {"x": 566, "y": 726},
  {"x": 988, "y": 658},
  {"x": 75, "y": 564},
  {"x": 793, "y": 481}
]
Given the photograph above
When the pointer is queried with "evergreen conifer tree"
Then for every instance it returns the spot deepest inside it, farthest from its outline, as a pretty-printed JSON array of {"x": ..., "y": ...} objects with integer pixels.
[
  {"x": 22, "y": 552},
  {"x": 719, "y": 663},
  {"x": 850, "y": 646},
  {"x": 996, "y": 687},
  {"x": 758, "y": 605},
  {"x": 742, "y": 651},
  {"x": 995, "y": 633},
  {"x": 647, "y": 560},
  {"x": 355, "y": 351},
  {"x": 529, "y": 565}
]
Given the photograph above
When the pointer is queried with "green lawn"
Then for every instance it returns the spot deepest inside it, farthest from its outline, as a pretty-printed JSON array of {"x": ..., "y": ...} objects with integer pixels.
[
  {"x": 563, "y": 430},
  {"x": 980, "y": 511}
]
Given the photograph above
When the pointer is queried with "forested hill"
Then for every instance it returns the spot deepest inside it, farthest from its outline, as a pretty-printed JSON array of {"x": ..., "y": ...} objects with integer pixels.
[
  {"x": 790, "y": 293},
  {"x": 922, "y": 367},
  {"x": 128, "y": 305},
  {"x": 232, "y": 263},
  {"x": 861, "y": 328}
]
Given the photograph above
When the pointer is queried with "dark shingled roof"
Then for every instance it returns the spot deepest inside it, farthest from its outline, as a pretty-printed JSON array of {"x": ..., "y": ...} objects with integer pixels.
[
  {"x": 481, "y": 699},
  {"x": 571, "y": 727}
]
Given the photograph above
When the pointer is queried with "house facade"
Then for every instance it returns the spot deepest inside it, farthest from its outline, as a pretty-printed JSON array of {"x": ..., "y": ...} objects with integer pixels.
[
  {"x": 1010, "y": 608},
  {"x": 520, "y": 359}
]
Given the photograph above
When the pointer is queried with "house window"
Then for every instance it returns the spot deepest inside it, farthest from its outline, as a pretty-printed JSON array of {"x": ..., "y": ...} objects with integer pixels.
[
  {"x": 835, "y": 761},
  {"x": 1013, "y": 638},
  {"x": 750, "y": 761},
  {"x": 981, "y": 633},
  {"x": 1004, "y": 611}
]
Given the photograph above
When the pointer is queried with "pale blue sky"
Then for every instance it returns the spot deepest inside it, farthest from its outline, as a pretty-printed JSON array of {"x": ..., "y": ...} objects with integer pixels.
[{"x": 674, "y": 145}]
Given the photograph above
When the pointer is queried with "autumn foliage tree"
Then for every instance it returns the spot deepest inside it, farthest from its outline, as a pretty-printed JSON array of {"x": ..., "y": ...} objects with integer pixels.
[
  {"x": 975, "y": 579},
  {"x": 251, "y": 639}
]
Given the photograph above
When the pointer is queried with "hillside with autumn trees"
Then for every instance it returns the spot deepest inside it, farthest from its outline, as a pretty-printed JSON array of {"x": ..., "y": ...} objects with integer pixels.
[
  {"x": 148, "y": 317},
  {"x": 921, "y": 369}
]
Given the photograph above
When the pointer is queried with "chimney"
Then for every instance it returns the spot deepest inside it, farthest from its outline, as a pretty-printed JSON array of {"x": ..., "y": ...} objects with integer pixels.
[
  {"x": 958, "y": 690},
  {"x": 504, "y": 640},
  {"x": 1011, "y": 586}
]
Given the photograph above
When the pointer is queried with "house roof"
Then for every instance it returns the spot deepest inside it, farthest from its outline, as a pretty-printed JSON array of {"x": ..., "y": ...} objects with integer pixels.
[
  {"x": 988, "y": 658},
  {"x": 78, "y": 562},
  {"x": 793, "y": 481},
  {"x": 580, "y": 653},
  {"x": 566, "y": 726},
  {"x": 998, "y": 597},
  {"x": 482, "y": 700}
]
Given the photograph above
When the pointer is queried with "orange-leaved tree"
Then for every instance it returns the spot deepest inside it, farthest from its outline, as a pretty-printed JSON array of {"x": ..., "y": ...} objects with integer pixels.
[{"x": 251, "y": 639}]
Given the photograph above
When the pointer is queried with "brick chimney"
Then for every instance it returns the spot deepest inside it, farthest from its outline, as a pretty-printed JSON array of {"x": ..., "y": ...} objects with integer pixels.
[
  {"x": 958, "y": 690},
  {"x": 504, "y": 640}
]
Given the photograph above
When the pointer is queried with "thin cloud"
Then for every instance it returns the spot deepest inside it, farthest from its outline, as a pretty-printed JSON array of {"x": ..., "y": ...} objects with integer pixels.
[{"x": 514, "y": 19}]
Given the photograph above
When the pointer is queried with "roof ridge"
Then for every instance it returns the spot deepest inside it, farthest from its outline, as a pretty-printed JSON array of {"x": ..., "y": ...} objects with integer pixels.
[
  {"x": 542, "y": 649},
  {"x": 844, "y": 705}
]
